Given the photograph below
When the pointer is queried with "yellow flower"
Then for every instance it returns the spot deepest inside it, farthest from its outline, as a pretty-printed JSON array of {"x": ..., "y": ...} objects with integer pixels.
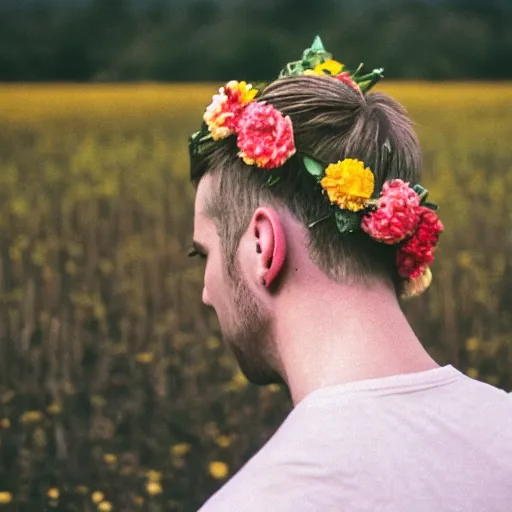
[
  {"x": 110, "y": 458},
  {"x": 180, "y": 449},
  {"x": 223, "y": 441},
  {"x": 212, "y": 343},
  {"x": 154, "y": 476},
  {"x": 329, "y": 67},
  {"x": 464, "y": 259},
  {"x": 144, "y": 357},
  {"x": 31, "y": 416},
  {"x": 473, "y": 373},
  {"x": 493, "y": 380},
  {"x": 348, "y": 184},
  {"x": 154, "y": 488},
  {"x": 472, "y": 344},
  {"x": 53, "y": 493},
  {"x": 5, "y": 423},
  {"x": 54, "y": 409},
  {"x": 237, "y": 382},
  {"x": 5, "y": 497},
  {"x": 105, "y": 506},
  {"x": 97, "y": 497},
  {"x": 218, "y": 470},
  {"x": 243, "y": 89}
]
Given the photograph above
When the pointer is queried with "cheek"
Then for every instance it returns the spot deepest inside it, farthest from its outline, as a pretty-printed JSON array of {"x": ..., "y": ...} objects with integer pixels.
[
  {"x": 206, "y": 287},
  {"x": 210, "y": 282}
]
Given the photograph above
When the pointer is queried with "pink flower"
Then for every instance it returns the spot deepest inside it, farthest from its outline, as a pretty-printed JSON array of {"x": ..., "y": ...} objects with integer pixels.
[
  {"x": 223, "y": 113},
  {"x": 417, "y": 253},
  {"x": 397, "y": 214},
  {"x": 265, "y": 136}
]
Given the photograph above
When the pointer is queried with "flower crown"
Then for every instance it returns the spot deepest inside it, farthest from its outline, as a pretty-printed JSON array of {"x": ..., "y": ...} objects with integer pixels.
[{"x": 401, "y": 216}]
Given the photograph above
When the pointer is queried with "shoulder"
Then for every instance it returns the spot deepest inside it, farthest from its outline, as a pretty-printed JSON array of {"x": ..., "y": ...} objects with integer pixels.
[
  {"x": 293, "y": 471},
  {"x": 335, "y": 446},
  {"x": 289, "y": 486}
]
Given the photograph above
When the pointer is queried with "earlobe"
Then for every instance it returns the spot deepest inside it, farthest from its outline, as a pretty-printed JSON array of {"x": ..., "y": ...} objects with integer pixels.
[{"x": 270, "y": 244}]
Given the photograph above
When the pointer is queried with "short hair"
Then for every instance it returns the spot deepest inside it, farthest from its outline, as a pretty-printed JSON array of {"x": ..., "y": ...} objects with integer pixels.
[{"x": 331, "y": 121}]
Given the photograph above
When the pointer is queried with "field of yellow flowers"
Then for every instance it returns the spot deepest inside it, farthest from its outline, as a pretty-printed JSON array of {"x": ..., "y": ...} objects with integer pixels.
[{"x": 116, "y": 392}]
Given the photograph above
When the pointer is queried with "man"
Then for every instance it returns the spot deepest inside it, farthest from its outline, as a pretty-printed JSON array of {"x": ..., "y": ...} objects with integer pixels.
[{"x": 310, "y": 217}]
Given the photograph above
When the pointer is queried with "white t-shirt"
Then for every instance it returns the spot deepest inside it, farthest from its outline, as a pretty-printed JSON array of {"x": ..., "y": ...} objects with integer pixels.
[{"x": 434, "y": 441}]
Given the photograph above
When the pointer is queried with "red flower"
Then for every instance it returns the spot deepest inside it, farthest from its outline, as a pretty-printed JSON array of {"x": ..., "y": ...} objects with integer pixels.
[
  {"x": 347, "y": 79},
  {"x": 415, "y": 255},
  {"x": 397, "y": 214},
  {"x": 265, "y": 136}
]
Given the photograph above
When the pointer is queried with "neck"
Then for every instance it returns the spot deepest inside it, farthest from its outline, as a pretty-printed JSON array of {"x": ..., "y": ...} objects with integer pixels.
[{"x": 330, "y": 334}]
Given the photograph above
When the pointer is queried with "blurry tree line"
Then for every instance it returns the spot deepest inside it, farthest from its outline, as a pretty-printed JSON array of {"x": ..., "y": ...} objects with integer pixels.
[{"x": 213, "y": 40}]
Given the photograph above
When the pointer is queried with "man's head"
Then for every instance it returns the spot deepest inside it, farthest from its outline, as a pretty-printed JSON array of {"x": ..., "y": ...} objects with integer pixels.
[
  {"x": 248, "y": 223},
  {"x": 244, "y": 318}
]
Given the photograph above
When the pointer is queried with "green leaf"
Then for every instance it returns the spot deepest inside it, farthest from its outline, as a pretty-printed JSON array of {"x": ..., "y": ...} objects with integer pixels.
[
  {"x": 200, "y": 141},
  {"x": 317, "y": 45},
  {"x": 292, "y": 69},
  {"x": 431, "y": 206},
  {"x": 357, "y": 72},
  {"x": 421, "y": 191},
  {"x": 272, "y": 180},
  {"x": 314, "y": 168},
  {"x": 418, "y": 189},
  {"x": 260, "y": 86},
  {"x": 366, "y": 82},
  {"x": 347, "y": 221},
  {"x": 311, "y": 56}
]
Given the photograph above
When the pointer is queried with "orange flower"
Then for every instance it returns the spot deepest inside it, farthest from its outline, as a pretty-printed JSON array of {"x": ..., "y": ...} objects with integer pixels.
[{"x": 223, "y": 113}]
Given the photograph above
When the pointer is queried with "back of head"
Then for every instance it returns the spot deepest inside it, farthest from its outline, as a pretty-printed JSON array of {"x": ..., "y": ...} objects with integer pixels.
[{"x": 332, "y": 120}]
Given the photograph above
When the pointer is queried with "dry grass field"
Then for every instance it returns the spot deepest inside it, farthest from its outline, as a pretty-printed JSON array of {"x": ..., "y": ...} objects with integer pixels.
[{"x": 116, "y": 392}]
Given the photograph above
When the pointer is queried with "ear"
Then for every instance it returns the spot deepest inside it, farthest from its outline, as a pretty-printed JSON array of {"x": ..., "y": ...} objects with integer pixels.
[{"x": 270, "y": 243}]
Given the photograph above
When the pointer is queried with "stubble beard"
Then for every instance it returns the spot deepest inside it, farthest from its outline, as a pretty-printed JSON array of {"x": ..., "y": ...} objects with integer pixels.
[{"x": 249, "y": 335}]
